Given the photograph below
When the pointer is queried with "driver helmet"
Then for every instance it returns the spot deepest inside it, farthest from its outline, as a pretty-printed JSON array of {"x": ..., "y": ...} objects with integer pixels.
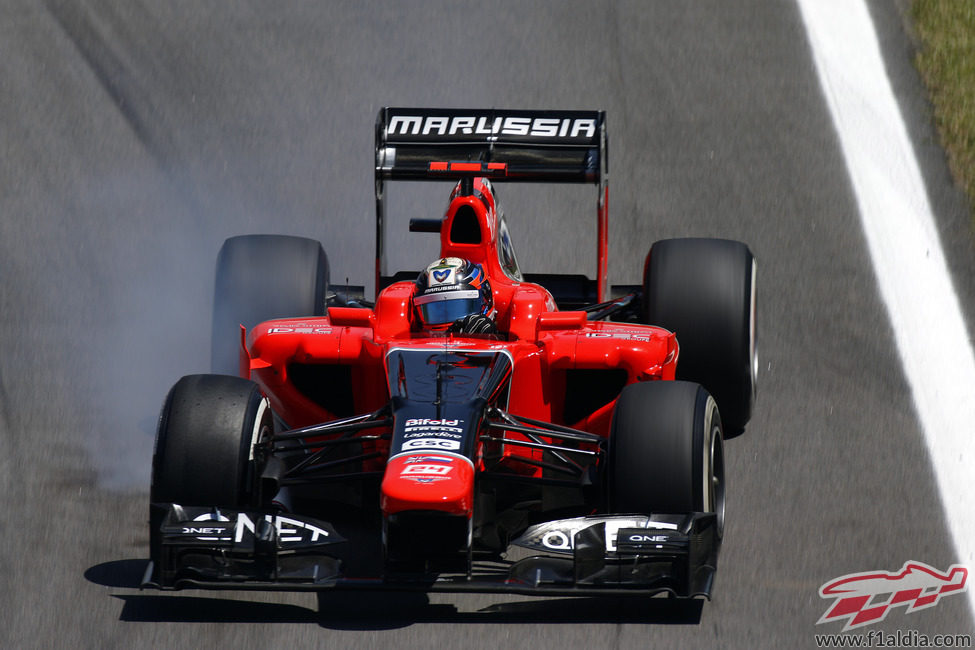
[{"x": 449, "y": 289}]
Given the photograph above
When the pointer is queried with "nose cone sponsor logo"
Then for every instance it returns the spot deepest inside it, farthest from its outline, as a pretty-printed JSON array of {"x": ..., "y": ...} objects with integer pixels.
[
  {"x": 413, "y": 422},
  {"x": 866, "y": 598},
  {"x": 431, "y": 443},
  {"x": 426, "y": 473},
  {"x": 429, "y": 459},
  {"x": 429, "y": 469}
]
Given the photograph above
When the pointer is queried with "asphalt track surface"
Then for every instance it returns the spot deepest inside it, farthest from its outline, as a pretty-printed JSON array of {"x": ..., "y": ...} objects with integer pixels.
[{"x": 137, "y": 135}]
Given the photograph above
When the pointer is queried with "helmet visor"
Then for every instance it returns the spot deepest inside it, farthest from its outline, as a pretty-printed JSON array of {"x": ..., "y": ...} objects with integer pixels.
[{"x": 445, "y": 308}]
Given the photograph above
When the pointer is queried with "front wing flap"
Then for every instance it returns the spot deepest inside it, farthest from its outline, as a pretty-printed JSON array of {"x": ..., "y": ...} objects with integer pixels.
[
  {"x": 228, "y": 547},
  {"x": 611, "y": 555}
]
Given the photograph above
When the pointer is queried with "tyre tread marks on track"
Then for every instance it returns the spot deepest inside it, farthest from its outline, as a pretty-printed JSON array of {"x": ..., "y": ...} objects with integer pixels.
[{"x": 117, "y": 78}]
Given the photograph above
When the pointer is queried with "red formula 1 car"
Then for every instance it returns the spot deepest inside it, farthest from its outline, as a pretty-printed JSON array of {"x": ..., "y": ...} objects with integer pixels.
[{"x": 570, "y": 444}]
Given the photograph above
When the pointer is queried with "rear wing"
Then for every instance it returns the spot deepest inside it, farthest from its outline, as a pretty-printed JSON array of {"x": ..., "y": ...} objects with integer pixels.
[
  {"x": 529, "y": 146},
  {"x": 503, "y": 145}
]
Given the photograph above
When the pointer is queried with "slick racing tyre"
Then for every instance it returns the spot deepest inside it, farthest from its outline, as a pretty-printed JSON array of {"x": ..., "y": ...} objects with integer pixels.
[
  {"x": 204, "y": 446},
  {"x": 260, "y": 277},
  {"x": 666, "y": 452},
  {"x": 703, "y": 290}
]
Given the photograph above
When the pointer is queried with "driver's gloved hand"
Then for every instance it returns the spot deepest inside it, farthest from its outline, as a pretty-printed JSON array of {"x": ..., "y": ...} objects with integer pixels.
[{"x": 473, "y": 324}]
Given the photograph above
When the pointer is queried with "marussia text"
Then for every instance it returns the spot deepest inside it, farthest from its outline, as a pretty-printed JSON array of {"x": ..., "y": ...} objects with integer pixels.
[{"x": 543, "y": 127}]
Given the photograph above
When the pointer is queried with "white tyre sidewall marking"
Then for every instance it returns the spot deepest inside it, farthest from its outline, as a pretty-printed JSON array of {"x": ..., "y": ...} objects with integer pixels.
[{"x": 256, "y": 433}]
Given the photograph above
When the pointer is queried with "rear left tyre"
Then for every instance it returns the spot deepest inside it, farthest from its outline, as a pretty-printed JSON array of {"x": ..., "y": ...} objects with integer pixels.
[{"x": 260, "y": 277}]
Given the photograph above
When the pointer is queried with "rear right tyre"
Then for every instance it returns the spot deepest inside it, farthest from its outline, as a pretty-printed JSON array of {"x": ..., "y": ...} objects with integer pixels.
[{"x": 703, "y": 290}]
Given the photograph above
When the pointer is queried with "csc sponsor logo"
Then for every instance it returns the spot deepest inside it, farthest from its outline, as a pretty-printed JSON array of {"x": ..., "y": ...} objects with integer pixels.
[{"x": 431, "y": 443}]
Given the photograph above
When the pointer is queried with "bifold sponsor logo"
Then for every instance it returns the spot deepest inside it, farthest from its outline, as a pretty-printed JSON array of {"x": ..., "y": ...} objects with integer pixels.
[
  {"x": 866, "y": 598},
  {"x": 430, "y": 428},
  {"x": 542, "y": 127},
  {"x": 414, "y": 422}
]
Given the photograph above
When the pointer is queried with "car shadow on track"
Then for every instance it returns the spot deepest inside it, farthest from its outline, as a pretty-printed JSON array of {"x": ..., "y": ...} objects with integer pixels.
[
  {"x": 378, "y": 610},
  {"x": 359, "y": 611}
]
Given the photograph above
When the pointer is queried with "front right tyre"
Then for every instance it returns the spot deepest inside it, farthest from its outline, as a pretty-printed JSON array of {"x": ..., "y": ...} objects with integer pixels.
[{"x": 666, "y": 451}]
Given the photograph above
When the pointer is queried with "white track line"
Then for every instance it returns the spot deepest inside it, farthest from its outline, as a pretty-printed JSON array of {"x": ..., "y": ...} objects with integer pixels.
[{"x": 922, "y": 304}]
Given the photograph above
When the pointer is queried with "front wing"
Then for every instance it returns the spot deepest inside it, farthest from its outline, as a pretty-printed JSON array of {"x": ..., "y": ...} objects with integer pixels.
[{"x": 603, "y": 555}]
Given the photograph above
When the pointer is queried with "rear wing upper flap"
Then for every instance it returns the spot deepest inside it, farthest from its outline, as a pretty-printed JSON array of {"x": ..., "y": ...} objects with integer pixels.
[{"x": 510, "y": 145}]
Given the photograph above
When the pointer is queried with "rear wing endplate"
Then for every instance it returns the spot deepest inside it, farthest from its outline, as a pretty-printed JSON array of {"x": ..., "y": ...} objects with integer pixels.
[{"x": 503, "y": 145}]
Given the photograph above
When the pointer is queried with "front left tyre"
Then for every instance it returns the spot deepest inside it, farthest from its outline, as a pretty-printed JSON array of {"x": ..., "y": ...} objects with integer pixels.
[{"x": 204, "y": 446}]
